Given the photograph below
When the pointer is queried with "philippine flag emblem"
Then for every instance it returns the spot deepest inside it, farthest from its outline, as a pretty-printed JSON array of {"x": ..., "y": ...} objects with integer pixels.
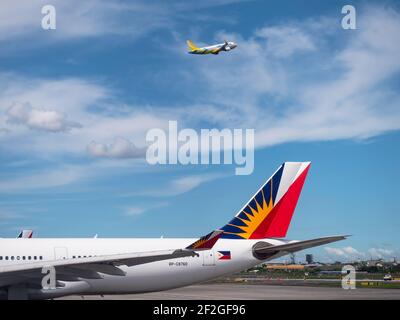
[{"x": 224, "y": 255}]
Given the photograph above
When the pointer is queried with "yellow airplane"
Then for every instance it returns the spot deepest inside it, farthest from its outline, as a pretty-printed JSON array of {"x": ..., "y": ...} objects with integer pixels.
[{"x": 214, "y": 49}]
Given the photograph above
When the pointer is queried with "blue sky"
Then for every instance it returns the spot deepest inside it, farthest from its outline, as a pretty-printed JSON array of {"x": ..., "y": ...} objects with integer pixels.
[{"x": 113, "y": 70}]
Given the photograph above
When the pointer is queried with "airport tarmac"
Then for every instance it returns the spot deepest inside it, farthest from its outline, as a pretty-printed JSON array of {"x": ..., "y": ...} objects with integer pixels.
[{"x": 253, "y": 292}]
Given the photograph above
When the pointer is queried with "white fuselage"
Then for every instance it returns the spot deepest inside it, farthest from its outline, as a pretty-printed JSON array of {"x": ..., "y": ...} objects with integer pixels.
[{"x": 154, "y": 276}]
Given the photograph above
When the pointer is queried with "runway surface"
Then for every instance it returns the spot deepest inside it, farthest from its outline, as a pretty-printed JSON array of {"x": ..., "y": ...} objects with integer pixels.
[{"x": 254, "y": 292}]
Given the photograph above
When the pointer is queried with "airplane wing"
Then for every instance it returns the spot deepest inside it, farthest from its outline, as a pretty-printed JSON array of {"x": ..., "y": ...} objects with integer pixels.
[
  {"x": 265, "y": 250},
  {"x": 92, "y": 267}
]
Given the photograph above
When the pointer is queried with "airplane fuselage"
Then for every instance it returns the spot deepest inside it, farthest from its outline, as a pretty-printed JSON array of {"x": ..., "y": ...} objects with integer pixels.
[
  {"x": 214, "y": 49},
  {"x": 154, "y": 276}
]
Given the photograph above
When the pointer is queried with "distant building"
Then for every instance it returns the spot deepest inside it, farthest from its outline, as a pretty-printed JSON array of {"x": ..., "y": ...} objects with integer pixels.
[
  {"x": 309, "y": 258},
  {"x": 284, "y": 266}
]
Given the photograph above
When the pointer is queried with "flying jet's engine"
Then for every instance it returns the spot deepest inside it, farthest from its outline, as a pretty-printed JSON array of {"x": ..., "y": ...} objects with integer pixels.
[{"x": 227, "y": 48}]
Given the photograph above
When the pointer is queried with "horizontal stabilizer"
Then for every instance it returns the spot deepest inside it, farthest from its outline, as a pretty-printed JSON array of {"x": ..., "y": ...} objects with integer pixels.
[{"x": 266, "y": 249}]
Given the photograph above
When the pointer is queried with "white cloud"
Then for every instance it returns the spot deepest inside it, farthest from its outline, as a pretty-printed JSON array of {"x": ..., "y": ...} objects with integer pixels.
[
  {"x": 21, "y": 20},
  {"x": 340, "y": 92},
  {"x": 74, "y": 19},
  {"x": 381, "y": 253},
  {"x": 56, "y": 101},
  {"x": 283, "y": 41},
  {"x": 330, "y": 94},
  {"x": 120, "y": 148},
  {"x": 178, "y": 186},
  {"x": 43, "y": 179},
  {"x": 352, "y": 253},
  {"x": 188, "y": 183},
  {"x": 335, "y": 251},
  {"x": 39, "y": 119},
  {"x": 134, "y": 211},
  {"x": 282, "y": 100}
]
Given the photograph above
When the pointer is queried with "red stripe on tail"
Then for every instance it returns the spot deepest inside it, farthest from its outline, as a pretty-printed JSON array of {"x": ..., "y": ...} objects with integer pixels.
[{"x": 277, "y": 222}]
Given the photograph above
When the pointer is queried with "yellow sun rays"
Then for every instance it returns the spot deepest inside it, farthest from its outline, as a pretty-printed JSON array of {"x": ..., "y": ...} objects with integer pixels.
[{"x": 255, "y": 216}]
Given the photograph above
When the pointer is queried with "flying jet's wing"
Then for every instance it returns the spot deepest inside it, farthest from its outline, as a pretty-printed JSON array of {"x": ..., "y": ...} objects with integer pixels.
[{"x": 265, "y": 250}]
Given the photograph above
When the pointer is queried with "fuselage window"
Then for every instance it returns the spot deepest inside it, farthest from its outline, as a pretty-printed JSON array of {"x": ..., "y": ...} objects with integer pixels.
[{"x": 12, "y": 257}]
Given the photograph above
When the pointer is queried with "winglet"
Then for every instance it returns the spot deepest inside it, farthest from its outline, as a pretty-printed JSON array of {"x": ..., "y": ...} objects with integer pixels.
[{"x": 206, "y": 242}]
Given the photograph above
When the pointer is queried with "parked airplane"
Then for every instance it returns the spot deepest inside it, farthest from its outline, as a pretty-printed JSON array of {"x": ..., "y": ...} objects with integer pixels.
[
  {"x": 214, "y": 49},
  {"x": 118, "y": 266}
]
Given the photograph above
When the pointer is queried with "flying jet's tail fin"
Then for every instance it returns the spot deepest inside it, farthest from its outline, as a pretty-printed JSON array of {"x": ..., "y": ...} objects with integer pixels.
[
  {"x": 270, "y": 210},
  {"x": 206, "y": 242},
  {"x": 191, "y": 45}
]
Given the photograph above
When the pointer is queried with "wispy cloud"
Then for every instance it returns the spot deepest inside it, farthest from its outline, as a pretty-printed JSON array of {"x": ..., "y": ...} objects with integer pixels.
[
  {"x": 75, "y": 19},
  {"x": 54, "y": 177},
  {"x": 188, "y": 183},
  {"x": 345, "y": 252},
  {"x": 272, "y": 86},
  {"x": 350, "y": 253},
  {"x": 7, "y": 216},
  {"x": 381, "y": 253},
  {"x": 325, "y": 94},
  {"x": 133, "y": 211},
  {"x": 39, "y": 119},
  {"x": 48, "y": 104},
  {"x": 341, "y": 94},
  {"x": 177, "y": 186},
  {"x": 283, "y": 41},
  {"x": 119, "y": 148}
]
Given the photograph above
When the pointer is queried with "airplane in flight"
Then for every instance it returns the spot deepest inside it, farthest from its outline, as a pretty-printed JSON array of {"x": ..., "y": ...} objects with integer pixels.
[
  {"x": 214, "y": 49},
  {"x": 95, "y": 266}
]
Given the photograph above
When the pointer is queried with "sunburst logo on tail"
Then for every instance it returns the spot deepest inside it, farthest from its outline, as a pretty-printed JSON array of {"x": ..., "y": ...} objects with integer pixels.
[
  {"x": 255, "y": 216},
  {"x": 269, "y": 212},
  {"x": 250, "y": 218}
]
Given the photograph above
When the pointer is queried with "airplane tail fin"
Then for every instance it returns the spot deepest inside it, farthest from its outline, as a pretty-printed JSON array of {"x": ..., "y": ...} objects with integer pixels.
[
  {"x": 191, "y": 45},
  {"x": 25, "y": 234},
  {"x": 269, "y": 212}
]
